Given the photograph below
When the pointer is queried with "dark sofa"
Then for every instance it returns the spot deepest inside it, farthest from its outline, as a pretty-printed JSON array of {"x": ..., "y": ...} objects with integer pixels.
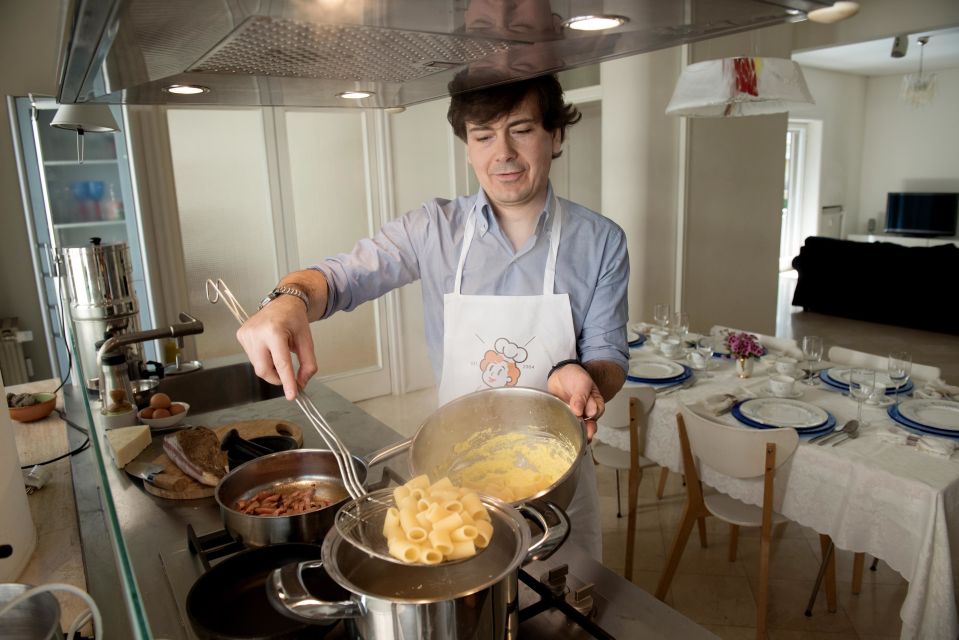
[{"x": 880, "y": 282}]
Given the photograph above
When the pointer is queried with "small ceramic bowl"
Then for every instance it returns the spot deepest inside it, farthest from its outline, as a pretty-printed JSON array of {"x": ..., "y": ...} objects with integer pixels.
[
  {"x": 36, "y": 411},
  {"x": 165, "y": 423}
]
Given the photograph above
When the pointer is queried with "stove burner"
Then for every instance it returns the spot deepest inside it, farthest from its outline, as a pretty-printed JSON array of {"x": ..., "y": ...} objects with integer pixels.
[
  {"x": 549, "y": 600},
  {"x": 212, "y": 545}
]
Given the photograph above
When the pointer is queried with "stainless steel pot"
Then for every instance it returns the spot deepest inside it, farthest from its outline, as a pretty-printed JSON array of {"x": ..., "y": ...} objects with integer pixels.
[
  {"x": 476, "y": 598},
  {"x": 298, "y": 467},
  {"x": 434, "y": 449}
]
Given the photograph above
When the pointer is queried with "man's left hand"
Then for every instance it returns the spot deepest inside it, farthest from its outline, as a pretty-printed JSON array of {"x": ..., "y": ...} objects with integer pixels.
[{"x": 573, "y": 385}]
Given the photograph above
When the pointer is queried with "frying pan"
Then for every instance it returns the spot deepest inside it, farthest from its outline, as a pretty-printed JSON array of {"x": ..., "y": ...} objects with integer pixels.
[{"x": 229, "y": 602}]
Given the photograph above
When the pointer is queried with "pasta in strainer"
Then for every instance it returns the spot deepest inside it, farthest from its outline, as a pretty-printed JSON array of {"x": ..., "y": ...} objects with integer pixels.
[{"x": 433, "y": 523}]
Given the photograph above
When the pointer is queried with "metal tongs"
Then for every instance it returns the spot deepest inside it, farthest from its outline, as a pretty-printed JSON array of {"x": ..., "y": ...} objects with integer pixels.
[{"x": 215, "y": 290}]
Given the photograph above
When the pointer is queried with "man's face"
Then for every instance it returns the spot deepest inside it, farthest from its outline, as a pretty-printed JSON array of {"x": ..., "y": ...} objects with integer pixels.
[{"x": 512, "y": 156}]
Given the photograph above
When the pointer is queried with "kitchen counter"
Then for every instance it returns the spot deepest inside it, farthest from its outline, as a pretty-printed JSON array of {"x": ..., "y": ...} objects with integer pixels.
[{"x": 153, "y": 530}]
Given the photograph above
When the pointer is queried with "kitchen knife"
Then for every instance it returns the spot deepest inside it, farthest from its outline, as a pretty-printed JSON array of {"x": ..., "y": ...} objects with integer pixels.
[{"x": 155, "y": 475}]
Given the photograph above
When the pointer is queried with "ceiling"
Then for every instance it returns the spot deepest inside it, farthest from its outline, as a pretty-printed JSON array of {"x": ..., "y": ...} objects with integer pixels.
[{"x": 873, "y": 58}]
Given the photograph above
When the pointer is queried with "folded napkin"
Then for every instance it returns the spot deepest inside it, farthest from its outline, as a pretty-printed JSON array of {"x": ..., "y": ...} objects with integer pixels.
[
  {"x": 942, "y": 447},
  {"x": 935, "y": 390},
  {"x": 720, "y": 404}
]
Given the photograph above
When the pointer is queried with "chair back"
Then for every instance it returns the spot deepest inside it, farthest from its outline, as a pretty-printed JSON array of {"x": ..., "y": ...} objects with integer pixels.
[
  {"x": 785, "y": 346},
  {"x": 616, "y": 415},
  {"x": 737, "y": 452},
  {"x": 851, "y": 358}
]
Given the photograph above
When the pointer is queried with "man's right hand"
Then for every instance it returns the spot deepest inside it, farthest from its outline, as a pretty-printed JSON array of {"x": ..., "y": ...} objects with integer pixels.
[{"x": 271, "y": 335}]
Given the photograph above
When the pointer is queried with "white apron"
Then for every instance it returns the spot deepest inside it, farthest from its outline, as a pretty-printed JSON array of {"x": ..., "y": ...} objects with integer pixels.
[{"x": 493, "y": 341}]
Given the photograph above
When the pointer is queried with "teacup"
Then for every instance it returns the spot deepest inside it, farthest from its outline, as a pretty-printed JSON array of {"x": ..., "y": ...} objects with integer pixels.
[
  {"x": 656, "y": 336},
  {"x": 782, "y": 386},
  {"x": 671, "y": 347},
  {"x": 878, "y": 393},
  {"x": 786, "y": 366}
]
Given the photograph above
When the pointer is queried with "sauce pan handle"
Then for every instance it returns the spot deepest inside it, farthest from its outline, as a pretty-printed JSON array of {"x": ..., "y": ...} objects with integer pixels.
[
  {"x": 289, "y": 596},
  {"x": 388, "y": 452},
  {"x": 554, "y": 533}
]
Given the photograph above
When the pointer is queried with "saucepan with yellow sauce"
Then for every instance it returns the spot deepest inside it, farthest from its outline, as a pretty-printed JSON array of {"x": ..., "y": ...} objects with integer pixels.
[{"x": 513, "y": 443}]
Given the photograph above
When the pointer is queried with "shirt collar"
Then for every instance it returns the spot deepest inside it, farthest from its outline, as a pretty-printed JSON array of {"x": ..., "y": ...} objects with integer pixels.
[{"x": 486, "y": 220}]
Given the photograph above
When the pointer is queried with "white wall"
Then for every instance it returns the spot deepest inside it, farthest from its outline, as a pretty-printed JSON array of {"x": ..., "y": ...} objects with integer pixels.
[
  {"x": 840, "y": 101},
  {"x": 906, "y": 148}
]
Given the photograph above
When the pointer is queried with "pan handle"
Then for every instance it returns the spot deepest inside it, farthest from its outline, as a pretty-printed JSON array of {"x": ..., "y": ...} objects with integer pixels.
[
  {"x": 289, "y": 596},
  {"x": 554, "y": 534},
  {"x": 388, "y": 452}
]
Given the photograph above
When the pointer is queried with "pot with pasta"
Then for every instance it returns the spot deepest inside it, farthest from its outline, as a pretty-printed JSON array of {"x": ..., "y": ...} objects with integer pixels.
[{"x": 455, "y": 598}]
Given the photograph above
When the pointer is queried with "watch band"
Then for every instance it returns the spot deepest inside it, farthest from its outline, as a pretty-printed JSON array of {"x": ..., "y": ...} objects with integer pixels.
[
  {"x": 561, "y": 364},
  {"x": 289, "y": 291}
]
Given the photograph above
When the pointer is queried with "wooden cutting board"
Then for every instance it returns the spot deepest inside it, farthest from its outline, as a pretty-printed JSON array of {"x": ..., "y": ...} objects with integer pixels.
[{"x": 247, "y": 429}]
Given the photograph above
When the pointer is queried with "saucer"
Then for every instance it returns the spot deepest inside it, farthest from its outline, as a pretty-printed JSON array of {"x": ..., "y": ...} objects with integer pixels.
[{"x": 797, "y": 393}]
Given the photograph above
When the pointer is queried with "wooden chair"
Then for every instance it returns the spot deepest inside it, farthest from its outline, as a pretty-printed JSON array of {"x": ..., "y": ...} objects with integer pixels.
[
  {"x": 628, "y": 409},
  {"x": 851, "y": 358},
  {"x": 739, "y": 453}
]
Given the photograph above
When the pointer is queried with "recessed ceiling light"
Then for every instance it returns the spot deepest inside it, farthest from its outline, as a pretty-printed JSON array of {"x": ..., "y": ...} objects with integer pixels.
[
  {"x": 186, "y": 89},
  {"x": 595, "y": 23},
  {"x": 354, "y": 95}
]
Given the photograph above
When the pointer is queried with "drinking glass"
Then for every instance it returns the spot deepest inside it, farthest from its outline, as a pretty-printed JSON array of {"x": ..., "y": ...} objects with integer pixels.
[
  {"x": 812, "y": 352},
  {"x": 661, "y": 315},
  {"x": 861, "y": 382},
  {"x": 681, "y": 324},
  {"x": 899, "y": 369},
  {"x": 704, "y": 346}
]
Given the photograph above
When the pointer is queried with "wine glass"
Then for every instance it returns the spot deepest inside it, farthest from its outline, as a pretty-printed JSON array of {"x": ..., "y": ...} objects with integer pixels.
[
  {"x": 812, "y": 352},
  {"x": 861, "y": 383},
  {"x": 661, "y": 315},
  {"x": 681, "y": 324},
  {"x": 704, "y": 347},
  {"x": 899, "y": 370}
]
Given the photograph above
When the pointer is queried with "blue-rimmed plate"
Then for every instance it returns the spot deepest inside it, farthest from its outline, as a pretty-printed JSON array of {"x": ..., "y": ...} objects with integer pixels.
[
  {"x": 635, "y": 339},
  {"x": 783, "y": 412},
  {"x": 838, "y": 378},
  {"x": 654, "y": 370},
  {"x": 810, "y": 432},
  {"x": 894, "y": 413},
  {"x": 662, "y": 384}
]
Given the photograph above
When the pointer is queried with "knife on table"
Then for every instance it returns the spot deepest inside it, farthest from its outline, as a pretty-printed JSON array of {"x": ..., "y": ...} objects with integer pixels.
[{"x": 155, "y": 475}]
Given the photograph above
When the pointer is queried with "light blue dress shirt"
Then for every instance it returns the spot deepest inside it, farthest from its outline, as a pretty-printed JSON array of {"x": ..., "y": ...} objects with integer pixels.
[{"x": 424, "y": 244}]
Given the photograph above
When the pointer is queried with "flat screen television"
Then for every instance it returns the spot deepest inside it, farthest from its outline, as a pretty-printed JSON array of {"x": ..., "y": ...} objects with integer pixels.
[{"x": 922, "y": 214}]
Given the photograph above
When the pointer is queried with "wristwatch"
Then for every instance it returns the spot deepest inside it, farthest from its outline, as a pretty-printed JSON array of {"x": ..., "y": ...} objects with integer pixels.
[{"x": 290, "y": 291}]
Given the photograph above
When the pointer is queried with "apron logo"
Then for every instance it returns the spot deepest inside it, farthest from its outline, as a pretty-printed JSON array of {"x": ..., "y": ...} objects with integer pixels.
[{"x": 499, "y": 364}]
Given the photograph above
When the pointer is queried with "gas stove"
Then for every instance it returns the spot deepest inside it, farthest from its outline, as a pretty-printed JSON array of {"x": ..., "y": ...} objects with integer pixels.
[{"x": 568, "y": 596}]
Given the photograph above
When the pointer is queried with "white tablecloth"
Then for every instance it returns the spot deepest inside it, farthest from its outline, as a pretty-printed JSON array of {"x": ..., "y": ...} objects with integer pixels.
[{"x": 890, "y": 501}]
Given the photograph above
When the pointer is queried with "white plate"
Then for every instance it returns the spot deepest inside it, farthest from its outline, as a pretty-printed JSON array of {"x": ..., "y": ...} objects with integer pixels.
[
  {"x": 631, "y": 336},
  {"x": 841, "y": 375},
  {"x": 654, "y": 369},
  {"x": 797, "y": 392},
  {"x": 783, "y": 412},
  {"x": 939, "y": 414}
]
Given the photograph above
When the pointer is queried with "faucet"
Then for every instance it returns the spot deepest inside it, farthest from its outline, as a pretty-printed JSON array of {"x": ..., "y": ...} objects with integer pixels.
[{"x": 188, "y": 326}]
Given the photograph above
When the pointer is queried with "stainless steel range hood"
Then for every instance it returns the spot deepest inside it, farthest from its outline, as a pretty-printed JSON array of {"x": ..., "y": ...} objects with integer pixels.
[{"x": 306, "y": 52}]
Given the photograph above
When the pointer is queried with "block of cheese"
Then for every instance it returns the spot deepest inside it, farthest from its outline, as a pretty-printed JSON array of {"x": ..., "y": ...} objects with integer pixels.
[{"x": 126, "y": 443}]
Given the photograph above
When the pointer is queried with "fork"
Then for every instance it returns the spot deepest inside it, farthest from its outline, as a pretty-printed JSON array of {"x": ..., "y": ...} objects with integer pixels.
[
  {"x": 685, "y": 385},
  {"x": 344, "y": 459}
]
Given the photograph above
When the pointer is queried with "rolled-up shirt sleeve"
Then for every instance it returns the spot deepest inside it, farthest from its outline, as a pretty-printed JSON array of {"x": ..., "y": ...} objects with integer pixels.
[
  {"x": 603, "y": 334},
  {"x": 376, "y": 265}
]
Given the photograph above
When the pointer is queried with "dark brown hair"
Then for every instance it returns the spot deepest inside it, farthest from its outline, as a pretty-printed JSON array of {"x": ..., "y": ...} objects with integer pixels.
[{"x": 482, "y": 106}]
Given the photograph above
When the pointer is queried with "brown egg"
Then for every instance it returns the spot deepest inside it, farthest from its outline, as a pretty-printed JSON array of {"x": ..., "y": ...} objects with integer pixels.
[
  {"x": 160, "y": 413},
  {"x": 176, "y": 408},
  {"x": 160, "y": 401},
  {"x": 147, "y": 413}
]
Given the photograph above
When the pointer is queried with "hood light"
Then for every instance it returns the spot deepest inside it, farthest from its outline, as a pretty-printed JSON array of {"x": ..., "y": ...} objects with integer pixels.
[
  {"x": 595, "y": 23},
  {"x": 354, "y": 95},
  {"x": 186, "y": 89}
]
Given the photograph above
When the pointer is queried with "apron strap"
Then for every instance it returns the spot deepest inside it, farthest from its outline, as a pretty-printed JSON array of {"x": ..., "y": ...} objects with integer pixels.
[{"x": 549, "y": 277}]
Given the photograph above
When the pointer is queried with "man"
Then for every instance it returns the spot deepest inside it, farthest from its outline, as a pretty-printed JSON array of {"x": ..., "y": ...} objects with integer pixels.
[{"x": 520, "y": 288}]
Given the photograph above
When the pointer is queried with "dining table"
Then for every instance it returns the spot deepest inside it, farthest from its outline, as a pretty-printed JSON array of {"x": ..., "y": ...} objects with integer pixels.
[{"x": 869, "y": 494}]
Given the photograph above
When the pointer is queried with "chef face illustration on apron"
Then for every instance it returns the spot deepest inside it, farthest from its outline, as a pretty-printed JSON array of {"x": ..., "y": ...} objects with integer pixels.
[{"x": 493, "y": 341}]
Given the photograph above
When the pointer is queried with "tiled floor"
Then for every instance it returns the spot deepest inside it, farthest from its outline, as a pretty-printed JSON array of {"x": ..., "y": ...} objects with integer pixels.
[{"x": 719, "y": 594}]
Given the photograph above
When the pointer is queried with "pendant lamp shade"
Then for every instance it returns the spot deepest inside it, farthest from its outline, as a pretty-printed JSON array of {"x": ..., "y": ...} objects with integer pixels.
[
  {"x": 90, "y": 118},
  {"x": 733, "y": 87}
]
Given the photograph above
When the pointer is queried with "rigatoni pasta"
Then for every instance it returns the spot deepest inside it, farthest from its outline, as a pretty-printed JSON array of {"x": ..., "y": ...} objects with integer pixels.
[{"x": 432, "y": 523}]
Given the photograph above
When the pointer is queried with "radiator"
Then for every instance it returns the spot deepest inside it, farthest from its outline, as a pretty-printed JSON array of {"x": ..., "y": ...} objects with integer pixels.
[{"x": 13, "y": 365}]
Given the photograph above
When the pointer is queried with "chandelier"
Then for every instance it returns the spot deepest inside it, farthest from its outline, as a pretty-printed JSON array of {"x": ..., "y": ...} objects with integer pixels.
[{"x": 918, "y": 89}]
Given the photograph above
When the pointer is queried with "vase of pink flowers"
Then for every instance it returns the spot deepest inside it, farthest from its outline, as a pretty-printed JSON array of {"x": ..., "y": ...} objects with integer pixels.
[{"x": 745, "y": 350}]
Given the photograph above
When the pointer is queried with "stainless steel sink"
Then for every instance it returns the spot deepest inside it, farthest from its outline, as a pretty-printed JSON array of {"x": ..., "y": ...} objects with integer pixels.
[{"x": 219, "y": 388}]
